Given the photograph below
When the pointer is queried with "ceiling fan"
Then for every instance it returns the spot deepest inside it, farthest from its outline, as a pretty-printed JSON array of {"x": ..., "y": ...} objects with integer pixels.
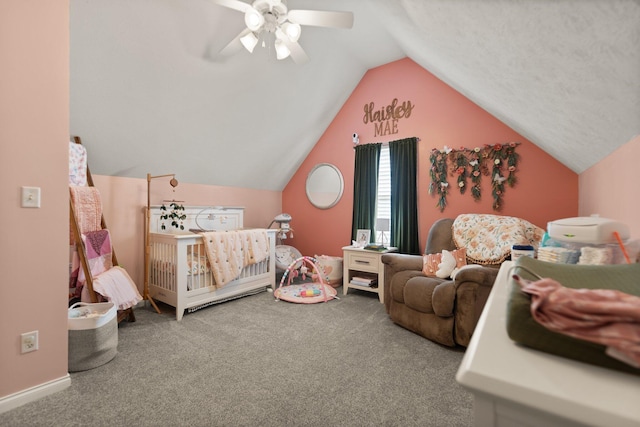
[{"x": 271, "y": 19}]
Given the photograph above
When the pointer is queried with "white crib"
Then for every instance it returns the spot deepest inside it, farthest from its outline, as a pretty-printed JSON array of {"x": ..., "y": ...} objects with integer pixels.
[{"x": 179, "y": 273}]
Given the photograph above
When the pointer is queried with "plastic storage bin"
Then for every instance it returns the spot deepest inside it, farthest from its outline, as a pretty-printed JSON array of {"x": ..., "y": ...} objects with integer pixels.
[{"x": 93, "y": 335}]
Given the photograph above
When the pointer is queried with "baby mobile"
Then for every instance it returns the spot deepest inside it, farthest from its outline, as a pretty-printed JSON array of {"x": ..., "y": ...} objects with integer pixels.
[
  {"x": 176, "y": 215},
  {"x": 499, "y": 161}
]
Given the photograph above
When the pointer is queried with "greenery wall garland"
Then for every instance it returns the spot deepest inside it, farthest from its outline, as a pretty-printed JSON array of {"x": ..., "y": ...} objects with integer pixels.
[{"x": 472, "y": 163}]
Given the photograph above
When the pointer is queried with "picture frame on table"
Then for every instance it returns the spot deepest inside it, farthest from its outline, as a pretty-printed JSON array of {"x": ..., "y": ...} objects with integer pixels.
[{"x": 363, "y": 237}]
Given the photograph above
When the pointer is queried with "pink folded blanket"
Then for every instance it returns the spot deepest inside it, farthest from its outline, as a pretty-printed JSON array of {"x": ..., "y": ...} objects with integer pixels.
[
  {"x": 117, "y": 287},
  {"x": 99, "y": 259},
  {"x": 603, "y": 316},
  {"x": 87, "y": 207}
]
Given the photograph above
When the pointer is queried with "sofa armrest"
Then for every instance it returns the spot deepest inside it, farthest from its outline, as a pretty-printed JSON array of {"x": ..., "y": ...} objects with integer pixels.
[
  {"x": 399, "y": 262},
  {"x": 480, "y": 274},
  {"x": 393, "y": 263},
  {"x": 473, "y": 286}
]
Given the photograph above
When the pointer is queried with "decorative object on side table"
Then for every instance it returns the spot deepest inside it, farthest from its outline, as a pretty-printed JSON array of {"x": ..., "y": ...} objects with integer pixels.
[
  {"x": 383, "y": 225},
  {"x": 363, "y": 237}
]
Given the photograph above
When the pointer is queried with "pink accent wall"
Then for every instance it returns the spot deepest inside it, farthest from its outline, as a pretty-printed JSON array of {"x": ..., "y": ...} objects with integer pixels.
[
  {"x": 546, "y": 189},
  {"x": 34, "y": 151},
  {"x": 610, "y": 188}
]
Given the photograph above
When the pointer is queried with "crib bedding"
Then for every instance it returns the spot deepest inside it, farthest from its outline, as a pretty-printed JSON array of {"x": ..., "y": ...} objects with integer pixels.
[
  {"x": 230, "y": 251},
  {"x": 196, "y": 265}
]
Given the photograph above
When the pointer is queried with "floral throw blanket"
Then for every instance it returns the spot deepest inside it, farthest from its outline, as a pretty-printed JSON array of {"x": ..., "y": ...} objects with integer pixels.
[
  {"x": 230, "y": 251},
  {"x": 488, "y": 238}
]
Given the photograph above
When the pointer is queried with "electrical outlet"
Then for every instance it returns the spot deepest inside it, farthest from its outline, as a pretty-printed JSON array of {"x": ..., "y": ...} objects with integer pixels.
[{"x": 29, "y": 341}]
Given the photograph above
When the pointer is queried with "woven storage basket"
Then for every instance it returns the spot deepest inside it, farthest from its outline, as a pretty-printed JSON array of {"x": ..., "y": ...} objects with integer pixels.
[{"x": 93, "y": 340}]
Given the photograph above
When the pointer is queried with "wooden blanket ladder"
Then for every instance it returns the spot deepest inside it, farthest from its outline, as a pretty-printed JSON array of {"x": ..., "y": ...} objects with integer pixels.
[{"x": 82, "y": 254}]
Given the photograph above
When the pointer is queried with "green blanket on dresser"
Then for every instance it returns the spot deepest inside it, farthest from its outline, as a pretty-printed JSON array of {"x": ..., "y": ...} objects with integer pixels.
[{"x": 525, "y": 330}]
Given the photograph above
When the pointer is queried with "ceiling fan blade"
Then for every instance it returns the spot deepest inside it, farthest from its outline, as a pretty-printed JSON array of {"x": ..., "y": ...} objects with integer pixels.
[
  {"x": 321, "y": 18},
  {"x": 298, "y": 55},
  {"x": 234, "y": 4},
  {"x": 234, "y": 45}
]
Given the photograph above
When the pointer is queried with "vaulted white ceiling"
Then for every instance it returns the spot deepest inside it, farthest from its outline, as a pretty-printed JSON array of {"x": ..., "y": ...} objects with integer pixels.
[{"x": 150, "y": 95}]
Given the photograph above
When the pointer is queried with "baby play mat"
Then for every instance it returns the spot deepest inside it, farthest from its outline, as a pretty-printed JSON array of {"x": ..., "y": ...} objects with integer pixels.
[{"x": 304, "y": 293}]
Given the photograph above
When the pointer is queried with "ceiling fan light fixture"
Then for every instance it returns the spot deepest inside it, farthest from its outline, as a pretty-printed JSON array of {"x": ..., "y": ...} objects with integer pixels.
[
  {"x": 282, "y": 51},
  {"x": 253, "y": 19},
  {"x": 292, "y": 31},
  {"x": 249, "y": 41},
  {"x": 268, "y": 18}
]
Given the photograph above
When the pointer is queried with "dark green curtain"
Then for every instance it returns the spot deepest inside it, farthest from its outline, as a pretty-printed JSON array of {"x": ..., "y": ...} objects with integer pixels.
[
  {"x": 365, "y": 188},
  {"x": 403, "y": 158}
]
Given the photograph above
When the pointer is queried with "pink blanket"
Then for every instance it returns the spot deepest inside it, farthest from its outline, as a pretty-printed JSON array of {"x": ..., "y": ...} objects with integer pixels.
[
  {"x": 602, "y": 316},
  {"x": 99, "y": 258},
  {"x": 87, "y": 207}
]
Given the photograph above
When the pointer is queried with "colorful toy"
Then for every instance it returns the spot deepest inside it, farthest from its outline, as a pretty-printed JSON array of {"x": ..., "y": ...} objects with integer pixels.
[
  {"x": 306, "y": 293},
  {"x": 310, "y": 292}
]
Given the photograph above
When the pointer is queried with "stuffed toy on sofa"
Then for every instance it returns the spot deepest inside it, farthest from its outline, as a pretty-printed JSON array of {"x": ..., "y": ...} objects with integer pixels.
[{"x": 447, "y": 267}]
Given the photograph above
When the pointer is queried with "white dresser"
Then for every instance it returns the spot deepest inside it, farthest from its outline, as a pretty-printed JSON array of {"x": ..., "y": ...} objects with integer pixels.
[{"x": 517, "y": 386}]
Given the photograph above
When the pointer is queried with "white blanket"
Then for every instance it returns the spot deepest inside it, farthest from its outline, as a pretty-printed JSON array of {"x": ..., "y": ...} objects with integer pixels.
[
  {"x": 117, "y": 287},
  {"x": 230, "y": 251}
]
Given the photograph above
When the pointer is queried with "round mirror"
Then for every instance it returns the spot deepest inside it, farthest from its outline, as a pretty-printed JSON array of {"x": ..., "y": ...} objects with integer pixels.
[{"x": 324, "y": 186}]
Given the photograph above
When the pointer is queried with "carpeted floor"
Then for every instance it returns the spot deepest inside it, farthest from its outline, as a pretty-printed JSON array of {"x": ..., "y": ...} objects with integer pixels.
[{"x": 258, "y": 361}]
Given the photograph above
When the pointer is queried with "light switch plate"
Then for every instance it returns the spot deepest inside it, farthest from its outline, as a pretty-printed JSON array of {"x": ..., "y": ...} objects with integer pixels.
[{"x": 30, "y": 197}]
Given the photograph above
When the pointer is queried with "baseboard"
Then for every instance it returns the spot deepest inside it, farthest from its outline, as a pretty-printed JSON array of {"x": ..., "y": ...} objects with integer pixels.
[{"x": 32, "y": 394}]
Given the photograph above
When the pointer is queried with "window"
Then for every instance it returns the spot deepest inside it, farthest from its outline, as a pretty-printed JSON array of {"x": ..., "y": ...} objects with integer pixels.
[{"x": 383, "y": 199}]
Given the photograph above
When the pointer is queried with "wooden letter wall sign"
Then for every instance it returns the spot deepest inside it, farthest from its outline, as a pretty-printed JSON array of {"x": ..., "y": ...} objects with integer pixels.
[{"x": 386, "y": 118}]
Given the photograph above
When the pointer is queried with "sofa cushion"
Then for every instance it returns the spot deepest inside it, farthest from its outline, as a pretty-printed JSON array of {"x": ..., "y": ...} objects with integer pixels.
[
  {"x": 430, "y": 295},
  {"x": 399, "y": 282},
  {"x": 418, "y": 293}
]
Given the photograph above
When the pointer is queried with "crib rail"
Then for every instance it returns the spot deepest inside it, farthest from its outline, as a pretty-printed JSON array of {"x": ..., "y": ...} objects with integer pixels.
[
  {"x": 168, "y": 270},
  {"x": 179, "y": 273}
]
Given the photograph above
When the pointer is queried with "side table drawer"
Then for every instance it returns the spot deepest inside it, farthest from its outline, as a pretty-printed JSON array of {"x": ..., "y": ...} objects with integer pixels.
[{"x": 363, "y": 262}]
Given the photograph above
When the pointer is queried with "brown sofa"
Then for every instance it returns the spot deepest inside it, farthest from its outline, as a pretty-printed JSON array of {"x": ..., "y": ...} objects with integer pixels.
[{"x": 442, "y": 310}]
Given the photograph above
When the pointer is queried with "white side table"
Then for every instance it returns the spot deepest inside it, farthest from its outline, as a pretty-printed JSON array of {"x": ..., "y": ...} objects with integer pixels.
[{"x": 363, "y": 260}]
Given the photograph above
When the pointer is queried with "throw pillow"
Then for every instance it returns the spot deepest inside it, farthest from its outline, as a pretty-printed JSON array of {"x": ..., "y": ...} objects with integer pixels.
[
  {"x": 430, "y": 264},
  {"x": 461, "y": 257}
]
